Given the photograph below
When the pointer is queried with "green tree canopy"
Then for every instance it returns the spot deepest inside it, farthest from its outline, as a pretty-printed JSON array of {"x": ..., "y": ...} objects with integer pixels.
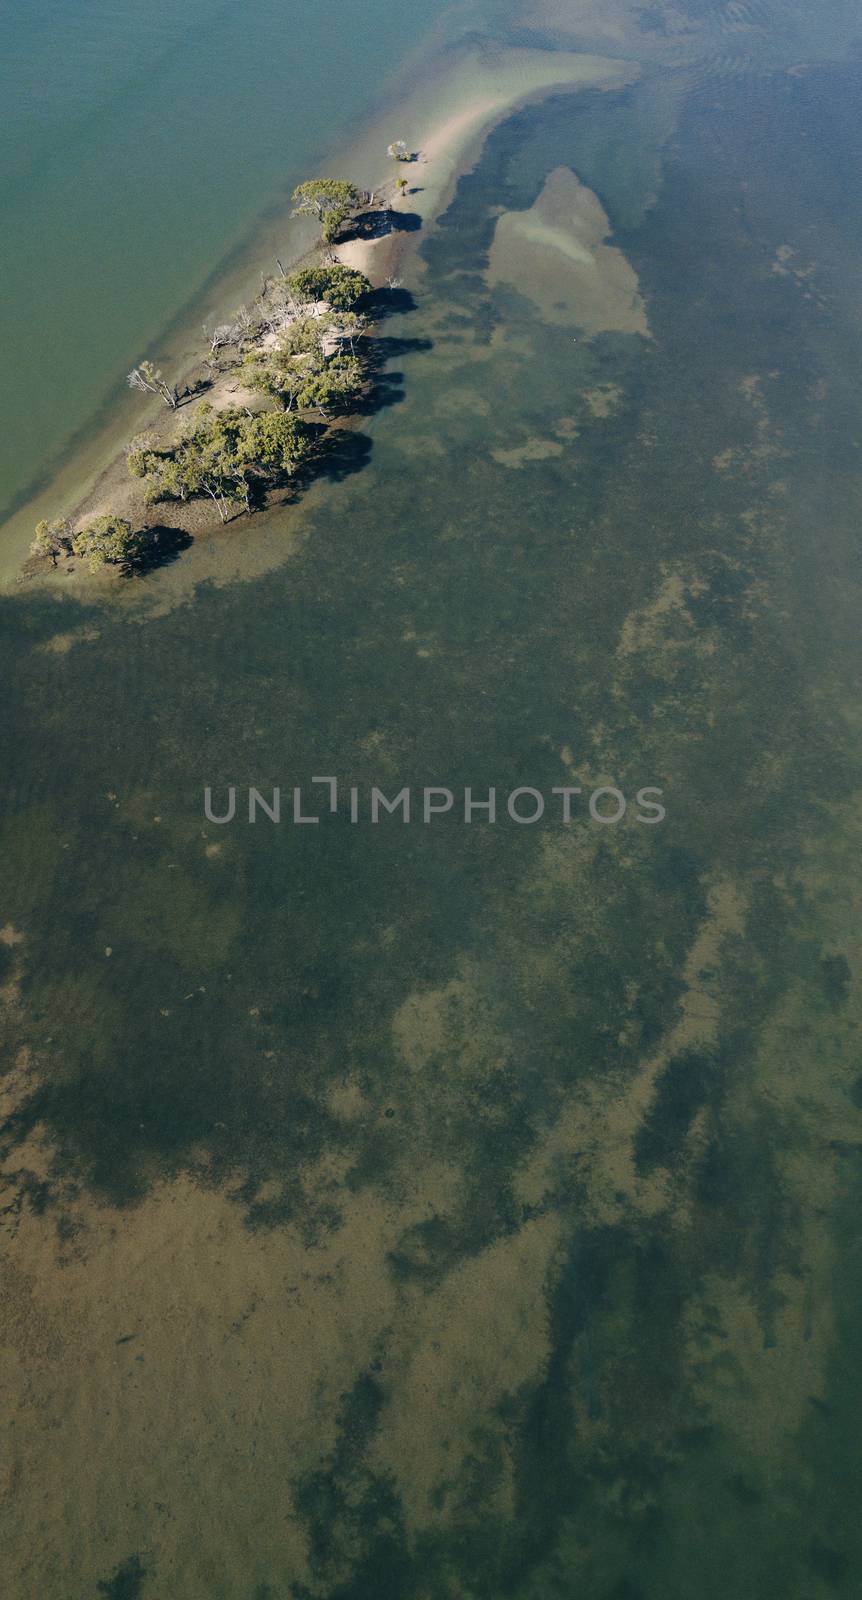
[
  {"x": 341, "y": 287},
  {"x": 273, "y": 444},
  {"x": 329, "y": 199},
  {"x": 334, "y": 386},
  {"x": 220, "y": 455},
  {"x": 308, "y": 370},
  {"x": 53, "y": 538},
  {"x": 273, "y": 375},
  {"x": 107, "y": 540}
]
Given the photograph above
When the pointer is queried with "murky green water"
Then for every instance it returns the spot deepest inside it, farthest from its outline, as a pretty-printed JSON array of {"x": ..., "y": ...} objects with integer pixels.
[{"x": 470, "y": 1211}]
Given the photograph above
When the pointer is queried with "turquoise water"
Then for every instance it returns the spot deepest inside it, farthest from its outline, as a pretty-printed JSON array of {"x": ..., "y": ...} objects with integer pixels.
[{"x": 398, "y": 1212}]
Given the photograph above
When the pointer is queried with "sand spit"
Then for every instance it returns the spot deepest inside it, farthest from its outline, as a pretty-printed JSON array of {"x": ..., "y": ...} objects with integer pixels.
[{"x": 442, "y": 120}]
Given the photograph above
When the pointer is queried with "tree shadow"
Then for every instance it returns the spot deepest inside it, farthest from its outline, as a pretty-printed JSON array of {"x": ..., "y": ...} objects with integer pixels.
[
  {"x": 379, "y": 224},
  {"x": 336, "y": 453},
  {"x": 345, "y": 452},
  {"x": 197, "y": 385},
  {"x": 389, "y": 349},
  {"x": 127, "y": 1581},
  {"x": 386, "y": 388},
  {"x": 158, "y": 546},
  {"x": 390, "y": 301}
]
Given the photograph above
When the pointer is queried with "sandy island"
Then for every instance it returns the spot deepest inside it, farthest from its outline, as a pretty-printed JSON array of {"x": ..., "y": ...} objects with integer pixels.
[{"x": 442, "y": 121}]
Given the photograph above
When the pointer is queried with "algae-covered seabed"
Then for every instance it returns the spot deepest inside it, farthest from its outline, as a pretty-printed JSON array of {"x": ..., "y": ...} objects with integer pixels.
[{"x": 470, "y": 1212}]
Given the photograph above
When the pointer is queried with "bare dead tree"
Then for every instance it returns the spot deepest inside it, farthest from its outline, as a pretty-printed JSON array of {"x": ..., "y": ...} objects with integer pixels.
[
  {"x": 250, "y": 320},
  {"x": 342, "y": 328},
  {"x": 224, "y": 336},
  {"x": 149, "y": 378}
]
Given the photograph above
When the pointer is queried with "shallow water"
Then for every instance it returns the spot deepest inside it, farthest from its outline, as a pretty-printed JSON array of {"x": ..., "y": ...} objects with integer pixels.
[{"x": 469, "y": 1211}]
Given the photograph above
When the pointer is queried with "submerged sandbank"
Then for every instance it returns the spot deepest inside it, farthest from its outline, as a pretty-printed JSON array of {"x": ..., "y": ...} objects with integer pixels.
[{"x": 568, "y": 226}]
